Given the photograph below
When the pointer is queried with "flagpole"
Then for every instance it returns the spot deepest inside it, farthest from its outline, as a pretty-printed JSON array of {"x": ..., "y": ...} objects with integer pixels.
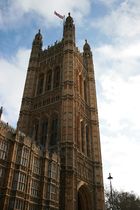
[
  {"x": 62, "y": 17},
  {"x": 63, "y": 23}
]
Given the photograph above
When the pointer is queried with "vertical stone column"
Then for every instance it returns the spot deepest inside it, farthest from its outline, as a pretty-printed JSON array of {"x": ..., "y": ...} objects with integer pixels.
[
  {"x": 67, "y": 174},
  {"x": 94, "y": 132}
]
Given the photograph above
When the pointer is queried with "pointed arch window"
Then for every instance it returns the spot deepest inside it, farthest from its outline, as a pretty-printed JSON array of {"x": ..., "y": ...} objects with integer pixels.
[
  {"x": 56, "y": 81},
  {"x": 54, "y": 131},
  {"x": 44, "y": 132},
  {"x": 40, "y": 84}
]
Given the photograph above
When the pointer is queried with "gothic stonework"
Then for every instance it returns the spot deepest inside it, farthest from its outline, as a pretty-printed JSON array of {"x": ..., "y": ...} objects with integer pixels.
[{"x": 53, "y": 159}]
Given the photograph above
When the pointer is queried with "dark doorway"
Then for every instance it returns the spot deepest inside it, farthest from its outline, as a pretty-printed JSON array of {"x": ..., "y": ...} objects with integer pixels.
[
  {"x": 79, "y": 202},
  {"x": 84, "y": 199}
]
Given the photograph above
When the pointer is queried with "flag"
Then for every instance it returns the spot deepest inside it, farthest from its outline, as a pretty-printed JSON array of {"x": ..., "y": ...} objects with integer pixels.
[{"x": 58, "y": 15}]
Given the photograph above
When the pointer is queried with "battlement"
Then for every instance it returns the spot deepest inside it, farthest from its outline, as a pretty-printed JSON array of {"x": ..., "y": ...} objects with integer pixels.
[
  {"x": 51, "y": 50},
  {"x": 5, "y": 126}
]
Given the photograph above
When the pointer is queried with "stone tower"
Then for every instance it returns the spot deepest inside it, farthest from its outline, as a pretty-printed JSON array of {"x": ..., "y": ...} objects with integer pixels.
[{"x": 59, "y": 111}]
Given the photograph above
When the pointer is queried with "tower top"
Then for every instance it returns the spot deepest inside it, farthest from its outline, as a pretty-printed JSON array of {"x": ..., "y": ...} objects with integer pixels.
[
  {"x": 69, "y": 30},
  {"x": 69, "y": 19},
  {"x": 86, "y": 46},
  {"x": 38, "y": 38}
]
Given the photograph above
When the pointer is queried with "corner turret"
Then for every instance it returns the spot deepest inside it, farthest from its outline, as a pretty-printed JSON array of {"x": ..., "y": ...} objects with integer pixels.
[{"x": 30, "y": 84}]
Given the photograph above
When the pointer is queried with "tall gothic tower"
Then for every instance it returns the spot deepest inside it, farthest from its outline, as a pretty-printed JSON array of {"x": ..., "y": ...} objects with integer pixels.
[{"x": 59, "y": 111}]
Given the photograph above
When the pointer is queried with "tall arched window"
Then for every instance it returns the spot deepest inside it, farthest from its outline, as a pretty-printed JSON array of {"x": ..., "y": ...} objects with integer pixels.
[
  {"x": 44, "y": 131},
  {"x": 87, "y": 141},
  {"x": 36, "y": 129},
  {"x": 56, "y": 79},
  {"x": 78, "y": 132},
  {"x": 49, "y": 80},
  {"x": 54, "y": 131},
  {"x": 40, "y": 84},
  {"x": 77, "y": 81},
  {"x": 80, "y": 84},
  {"x": 82, "y": 136},
  {"x": 85, "y": 90}
]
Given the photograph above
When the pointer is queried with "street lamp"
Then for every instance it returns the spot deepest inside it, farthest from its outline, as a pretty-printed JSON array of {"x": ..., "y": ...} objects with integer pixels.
[{"x": 111, "y": 193}]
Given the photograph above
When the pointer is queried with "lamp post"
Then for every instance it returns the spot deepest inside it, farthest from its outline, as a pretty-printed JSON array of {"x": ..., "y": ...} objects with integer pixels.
[{"x": 111, "y": 193}]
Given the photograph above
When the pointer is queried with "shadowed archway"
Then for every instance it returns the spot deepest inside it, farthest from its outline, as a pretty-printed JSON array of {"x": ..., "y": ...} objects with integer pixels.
[{"x": 84, "y": 198}]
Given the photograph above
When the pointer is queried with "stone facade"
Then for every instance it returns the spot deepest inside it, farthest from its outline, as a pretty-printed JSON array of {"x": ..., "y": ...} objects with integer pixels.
[
  {"x": 29, "y": 175},
  {"x": 53, "y": 159}
]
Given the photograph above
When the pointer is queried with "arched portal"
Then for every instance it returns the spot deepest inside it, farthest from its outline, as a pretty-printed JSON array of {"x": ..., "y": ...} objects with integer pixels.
[{"x": 84, "y": 198}]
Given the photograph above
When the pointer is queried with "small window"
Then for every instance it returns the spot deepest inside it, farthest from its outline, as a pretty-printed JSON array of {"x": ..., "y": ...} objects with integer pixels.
[
  {"x": 19, "y": 181},
  {"x": 25, "y": 157},
  {"x": 52, "y": 169},
  {"x": 52, "y": 192},
  {"x": 36, "y": 166},
  {"x": 19, "y": 204},
  {"x": 22, "y": 156},
  {"x": 35, "y": 188},
  {"x": 4, "y": 149}
]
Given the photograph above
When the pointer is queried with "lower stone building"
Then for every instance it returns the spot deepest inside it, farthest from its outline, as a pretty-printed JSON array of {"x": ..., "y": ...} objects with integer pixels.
[{"x": 29, "y": 175}]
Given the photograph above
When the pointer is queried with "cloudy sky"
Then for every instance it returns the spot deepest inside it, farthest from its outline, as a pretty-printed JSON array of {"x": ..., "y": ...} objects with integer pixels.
[{"x": 112, "y": 27}]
